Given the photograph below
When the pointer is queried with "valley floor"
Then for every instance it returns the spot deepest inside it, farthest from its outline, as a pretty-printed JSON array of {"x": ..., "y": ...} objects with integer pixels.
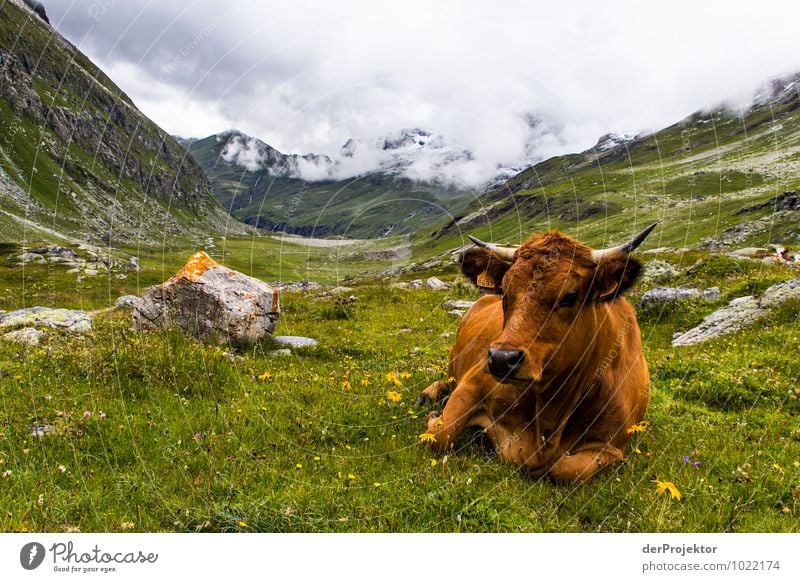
[{"x": 122, "y": 431}]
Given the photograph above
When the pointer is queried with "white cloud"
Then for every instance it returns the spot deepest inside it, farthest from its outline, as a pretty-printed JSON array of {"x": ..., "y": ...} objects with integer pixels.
[{"x": 306, "y": 76}]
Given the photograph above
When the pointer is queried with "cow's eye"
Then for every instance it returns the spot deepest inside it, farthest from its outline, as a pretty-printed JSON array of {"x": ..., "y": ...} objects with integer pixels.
[{"x": 569, "y": 299}]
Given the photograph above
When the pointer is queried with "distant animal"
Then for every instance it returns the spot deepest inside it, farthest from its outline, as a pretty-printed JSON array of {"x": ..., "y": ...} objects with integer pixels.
[{"x": 549, "y": 363}]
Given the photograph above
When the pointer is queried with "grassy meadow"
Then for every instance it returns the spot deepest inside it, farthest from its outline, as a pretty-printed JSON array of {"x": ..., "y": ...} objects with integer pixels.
[{"x": 156, "y": 432}]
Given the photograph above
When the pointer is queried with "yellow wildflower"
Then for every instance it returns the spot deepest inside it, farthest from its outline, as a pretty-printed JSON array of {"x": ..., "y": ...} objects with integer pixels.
[
  {"x": 427, "y": 437},
  {"x": 265, "y": 377},
  {"x": 298, "y": 466},
  {"x": 393, "y": 379},
  {"x": 405, "y": 375},
  {"x": 242, "y": 524},
  {"x": 639, "y": 427},
  {"x": 662, "y": 486},
  {"x": 394, "y": 396},
  {"x": 351, "y": 477},
  {"x": 346, "y": 385},
  {"x": 433, "y": 462},
  {"x": 316, "y": 458},
  {"x": 376, "y": 484},
  {"x": 365, "y": 382}
]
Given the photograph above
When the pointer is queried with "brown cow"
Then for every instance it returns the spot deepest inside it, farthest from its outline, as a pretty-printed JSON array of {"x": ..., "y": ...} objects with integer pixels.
[{"x": 550, "y": 363}]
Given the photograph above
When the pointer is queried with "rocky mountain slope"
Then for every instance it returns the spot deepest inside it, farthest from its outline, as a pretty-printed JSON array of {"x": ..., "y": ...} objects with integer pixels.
[
  {"x": 714, "y": 179},
  {"x": 78, "y": 159}
]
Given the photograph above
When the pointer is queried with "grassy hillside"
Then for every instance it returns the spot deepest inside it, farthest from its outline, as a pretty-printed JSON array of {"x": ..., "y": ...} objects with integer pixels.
[{"x": 695, "y": 178}]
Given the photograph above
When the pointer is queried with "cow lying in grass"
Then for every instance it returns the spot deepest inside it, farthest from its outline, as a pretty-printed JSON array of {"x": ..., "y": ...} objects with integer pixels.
[{"x": 549, "y": 363}]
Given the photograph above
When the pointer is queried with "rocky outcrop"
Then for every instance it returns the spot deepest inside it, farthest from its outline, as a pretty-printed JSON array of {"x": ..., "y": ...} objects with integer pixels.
[
  {"x": 71, "y": 320},
  {"x": 663, "y": 295},
  {"x": 211, "y": 303},
  {"x": 739, "y": 313}
]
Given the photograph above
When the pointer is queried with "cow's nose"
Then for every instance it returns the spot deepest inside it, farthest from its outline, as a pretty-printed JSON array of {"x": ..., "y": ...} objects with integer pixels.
[{"x": 504, "y": 363}]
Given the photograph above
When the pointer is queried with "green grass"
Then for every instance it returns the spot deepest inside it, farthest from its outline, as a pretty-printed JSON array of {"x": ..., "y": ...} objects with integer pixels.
[{"x": 197, "y": 438}]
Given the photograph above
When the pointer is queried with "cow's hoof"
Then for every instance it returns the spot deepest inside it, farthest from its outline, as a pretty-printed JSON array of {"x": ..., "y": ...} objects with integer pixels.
[{"x": 423, "y": 400}]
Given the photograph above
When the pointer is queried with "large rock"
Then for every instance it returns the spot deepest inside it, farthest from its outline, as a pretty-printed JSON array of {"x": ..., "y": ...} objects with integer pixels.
[
  {"x": 739, "y": 313},
  {"x": 210, "y": 302},
  {"x": 72, "y": 320},
  {"x": 28, "y": 336},
  {"x": 663, "y": 295}
]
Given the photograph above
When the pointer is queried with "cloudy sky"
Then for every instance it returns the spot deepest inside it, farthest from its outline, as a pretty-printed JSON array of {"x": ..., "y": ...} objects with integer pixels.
[{"x": 305, "y": 76}]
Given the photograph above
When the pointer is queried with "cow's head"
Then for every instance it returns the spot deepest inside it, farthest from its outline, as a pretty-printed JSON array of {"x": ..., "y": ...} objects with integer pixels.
[{"x": 554, "y": 291}]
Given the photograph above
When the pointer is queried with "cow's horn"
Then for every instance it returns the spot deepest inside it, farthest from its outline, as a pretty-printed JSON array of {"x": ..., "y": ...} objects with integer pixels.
[
  {"x": 625, "y": 249},
  {"x": 505, "y": 253}
]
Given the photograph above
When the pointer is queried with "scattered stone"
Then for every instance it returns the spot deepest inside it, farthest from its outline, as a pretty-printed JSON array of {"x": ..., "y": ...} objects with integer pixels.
[
  {"x": 72, "y": 320},
  {"x": 282, "y": 353},
  {"x": 40, "y": 430},
  {"x": 294, "y": 341},
  {"x": 750, "y": 252},
  {"x": 458, "y": 304},
  {"x": 658, "y": 251},
  {"x": 436, "y": 284},
  {"x": 780, "y": 293},
  {"x": 28, "y": 336},
  {"x": 299, "y": 286},
  {"x": 90, "y": 272},
  {"x": 126, "y": 301},
  {"x": 210, "y": 302},
  {"x": 340, "y": 290},
  {"x": 663, "y": 295},
  {"x": 739, "y": 313},
  {"x": 416, "y": 284},
  {"x": 55, "y": 251},
  {"x": 659, "y": 272},
  {"x": 457, "y": 313}
]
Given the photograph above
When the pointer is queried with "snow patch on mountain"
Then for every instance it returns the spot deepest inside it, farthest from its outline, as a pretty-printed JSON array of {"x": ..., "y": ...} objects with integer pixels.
[{"x": 412, "y": 153}]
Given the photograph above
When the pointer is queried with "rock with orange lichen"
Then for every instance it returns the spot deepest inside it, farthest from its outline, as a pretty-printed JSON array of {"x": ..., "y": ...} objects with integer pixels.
[{"x": 210, "y": 302}]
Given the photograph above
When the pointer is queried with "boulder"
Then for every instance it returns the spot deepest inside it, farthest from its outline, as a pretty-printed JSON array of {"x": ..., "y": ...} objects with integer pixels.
[
  {"x": 28, "y": 336},
  {"x": 294, "y": 341},
  {"x": 211, "y": 303},
  {"x": 663, "y": 295},
  {"x": 739, "y": 313},
  {"x": 436, "y": 284},
  {"x": 126, "y": 301},
  {"x": 72, "y": 320}
]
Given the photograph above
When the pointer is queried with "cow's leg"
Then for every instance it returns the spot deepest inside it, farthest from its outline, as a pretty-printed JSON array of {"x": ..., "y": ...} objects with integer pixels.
[
  {"x": 460, "y": 411},
  {"x": 520, "y": 447},
  {"x": 581, "y": 466},
  {"x": 436, "y": 392}
]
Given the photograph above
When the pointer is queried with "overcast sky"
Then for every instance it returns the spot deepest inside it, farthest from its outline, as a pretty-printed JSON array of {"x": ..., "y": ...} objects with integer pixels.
[{"x": 305, "y": 76}]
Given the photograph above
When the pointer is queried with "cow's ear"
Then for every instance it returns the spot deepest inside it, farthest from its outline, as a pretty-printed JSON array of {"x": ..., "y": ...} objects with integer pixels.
[
  {"x": 484, "y": 268},
  {"x": 613, "y": 277}
]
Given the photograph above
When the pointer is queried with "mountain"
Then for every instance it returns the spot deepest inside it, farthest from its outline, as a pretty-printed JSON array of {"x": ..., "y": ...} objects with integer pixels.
[
  {"x": 77, "y": 158},
  {"x": 395, "y": 184},
  {"x": 714, "y": 179}
]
